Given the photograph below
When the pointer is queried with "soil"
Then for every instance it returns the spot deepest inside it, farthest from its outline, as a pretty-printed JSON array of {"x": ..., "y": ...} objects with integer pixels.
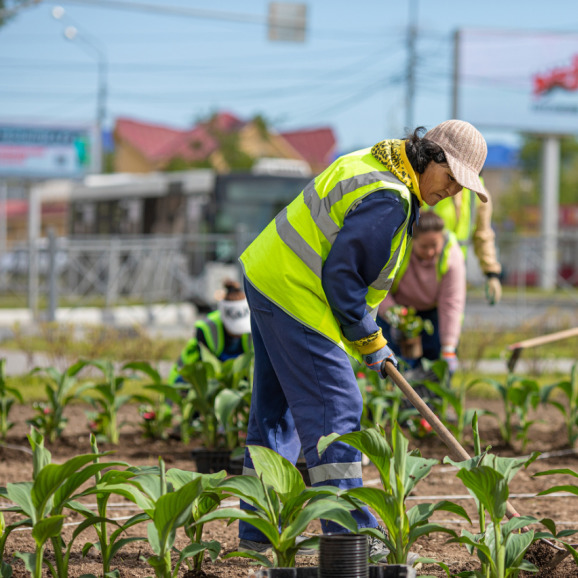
[{"x": 548, "y": 436}]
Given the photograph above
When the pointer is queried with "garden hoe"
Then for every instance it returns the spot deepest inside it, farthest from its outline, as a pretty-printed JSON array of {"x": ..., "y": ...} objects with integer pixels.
[{"x": 457, "y": 452}]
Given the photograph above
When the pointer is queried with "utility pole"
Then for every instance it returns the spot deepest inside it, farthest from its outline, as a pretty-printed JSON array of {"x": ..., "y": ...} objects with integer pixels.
[{"x": 411, "y": 40}]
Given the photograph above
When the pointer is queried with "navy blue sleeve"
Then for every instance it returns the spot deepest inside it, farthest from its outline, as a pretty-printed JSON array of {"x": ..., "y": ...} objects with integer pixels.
[{"x": 359, "y": 253}]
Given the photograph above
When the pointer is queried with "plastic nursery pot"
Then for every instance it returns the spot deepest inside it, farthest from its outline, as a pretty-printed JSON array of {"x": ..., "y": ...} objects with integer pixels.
[
  {"x": 392, "y": 571},
  {"x": 343, "y": 556},
  {"x": 211, "y": 461},
  {"x": 411, "y": 347}
]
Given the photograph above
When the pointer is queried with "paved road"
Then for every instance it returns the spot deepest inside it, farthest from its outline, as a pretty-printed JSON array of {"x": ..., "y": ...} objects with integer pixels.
[{"x": 19, "y": 363}]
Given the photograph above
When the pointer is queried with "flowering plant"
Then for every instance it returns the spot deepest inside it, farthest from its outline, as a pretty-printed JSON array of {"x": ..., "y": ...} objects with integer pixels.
[
  {"x": 407, "y": 321},
  {"x": 156, "y": 420}
]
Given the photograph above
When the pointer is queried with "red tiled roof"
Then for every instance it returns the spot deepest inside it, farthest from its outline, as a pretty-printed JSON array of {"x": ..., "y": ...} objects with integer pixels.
[
  {"x": 148, "y": 139},
  {"x": 158, "y": 143},
  {"x": 192, "y": 145},
  {"x": 316, "y": 146}
]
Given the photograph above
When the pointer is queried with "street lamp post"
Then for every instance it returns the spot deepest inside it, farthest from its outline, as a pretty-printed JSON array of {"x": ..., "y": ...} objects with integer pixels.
[{"x": 93, "y": 47}]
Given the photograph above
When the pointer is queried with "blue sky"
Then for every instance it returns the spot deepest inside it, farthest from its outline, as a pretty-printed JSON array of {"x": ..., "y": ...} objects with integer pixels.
[{"x": 174, "y": 67}]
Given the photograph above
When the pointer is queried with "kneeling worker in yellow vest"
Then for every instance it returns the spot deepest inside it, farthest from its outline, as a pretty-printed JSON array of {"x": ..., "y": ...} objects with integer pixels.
[
  {"x": 471, "y": 221},
  {"x": 432, "y": 280},
  {"x": 226, "y": 332},
  {"x": 314, "y": 279}
]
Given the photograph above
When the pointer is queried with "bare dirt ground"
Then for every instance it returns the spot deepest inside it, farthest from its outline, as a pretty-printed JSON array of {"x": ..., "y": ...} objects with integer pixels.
[{"x": 548, "y": 436}]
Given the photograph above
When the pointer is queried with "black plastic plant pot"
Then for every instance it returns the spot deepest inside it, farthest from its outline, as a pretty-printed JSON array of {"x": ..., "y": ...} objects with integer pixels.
[
  {"x": 211, "y": 461},
  {"x": 343, "y": 556},
  {"x": 392, "y": 571},
  {"x": 302, "y": 572}
]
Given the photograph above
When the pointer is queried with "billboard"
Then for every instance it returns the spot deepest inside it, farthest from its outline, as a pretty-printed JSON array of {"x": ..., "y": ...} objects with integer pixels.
[
  {"x": 526, "y": 81},
  {"x": 38, "y": 151}
]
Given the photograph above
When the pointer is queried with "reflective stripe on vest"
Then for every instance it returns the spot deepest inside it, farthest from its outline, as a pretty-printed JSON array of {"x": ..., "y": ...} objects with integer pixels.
[
  {"x": 442, "y": 265},
  {"x": 296, "y": 243}
]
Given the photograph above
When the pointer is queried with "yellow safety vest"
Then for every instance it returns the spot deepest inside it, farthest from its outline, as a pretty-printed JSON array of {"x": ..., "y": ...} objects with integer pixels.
[
  {"x": 286, "y": 260},
  {"x": 442, "y": 265},
  {"x": 214, "y": 333},
  {"x": 463, "y": 225}
]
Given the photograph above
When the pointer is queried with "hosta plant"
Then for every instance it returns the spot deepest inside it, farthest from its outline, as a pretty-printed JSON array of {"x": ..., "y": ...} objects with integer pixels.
[
  {"x": 499, "y": 546},
  {"x": 106, "y": 397},
  {"x": 447, "y": 396},
  {"x": 283, "y": 506},
  {"x": 383, "y": 402},
  {"x": 8, "y": 396},
  {"x": 400, "y": 471},
  {"x": 43, "y": 502},
  {"x": 519, "y": 395},
  {"x": 60, "y": 392},
  {"x": 108, "y": 543},
  {"x": 156, "y": 414},
  {"x": 170, "y": 500},
  {"x": 569, "y": 410}
]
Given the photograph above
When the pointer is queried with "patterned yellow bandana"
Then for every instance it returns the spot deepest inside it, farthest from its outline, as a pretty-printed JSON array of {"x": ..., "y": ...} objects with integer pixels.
[{"x": 392, "y": 154}]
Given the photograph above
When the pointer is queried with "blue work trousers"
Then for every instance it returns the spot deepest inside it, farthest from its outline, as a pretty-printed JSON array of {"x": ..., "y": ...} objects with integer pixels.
[{"x": 303, "y": 388}]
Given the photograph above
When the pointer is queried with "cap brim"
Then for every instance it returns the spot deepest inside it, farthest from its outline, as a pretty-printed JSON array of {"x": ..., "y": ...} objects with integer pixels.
[{"x": 468, "y": 178}]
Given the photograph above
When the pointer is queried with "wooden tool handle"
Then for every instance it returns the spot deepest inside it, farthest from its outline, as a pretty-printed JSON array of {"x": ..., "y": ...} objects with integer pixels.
[{"x": 457, "y": 452}]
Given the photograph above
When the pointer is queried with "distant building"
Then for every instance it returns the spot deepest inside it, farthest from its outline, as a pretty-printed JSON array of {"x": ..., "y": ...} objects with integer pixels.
[{"x": 223, "y": 143}]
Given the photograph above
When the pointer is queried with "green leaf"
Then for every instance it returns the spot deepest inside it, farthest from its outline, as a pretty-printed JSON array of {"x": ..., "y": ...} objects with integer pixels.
[
  {"x": 153, "y": 538},
  {"x": 5, "y": 570},
  {"x": 29, "y": 559},
  {"x": 516, "y": 546},
  {"x": 145, "y": 368},
  {"x": 19, "y": 493},
  {"x": 277, "y": 471},
  {"x": 49, "y": 479},
  {"x": 489, "y": 487},
  {"x": 370, "y": 442},
  {"x": 173, "y": 509},
  {"x": 569, "y": 488},
  {"x": 47, "y": 528},
  {"x": 386, "y": 507},
  {"x": 557, "y": 471},
  {"x": 268, "y": 528},
  {"x": 119, "y": 544},
  {"x": 261, "y": 558},
  {"x": 321, "y": 509},
  {"x": 247, "y": 488}
]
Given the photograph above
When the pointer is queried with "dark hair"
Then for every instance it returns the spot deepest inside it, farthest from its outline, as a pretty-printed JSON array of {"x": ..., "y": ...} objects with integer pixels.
[
  {"x": 233, "y": 291},
  {"x": 420, "y": 151},
  {"x": 428, "y": 222}
]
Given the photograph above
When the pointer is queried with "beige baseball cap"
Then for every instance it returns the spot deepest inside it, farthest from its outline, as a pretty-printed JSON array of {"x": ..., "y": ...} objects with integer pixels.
[{"x": 465, "y": 150}]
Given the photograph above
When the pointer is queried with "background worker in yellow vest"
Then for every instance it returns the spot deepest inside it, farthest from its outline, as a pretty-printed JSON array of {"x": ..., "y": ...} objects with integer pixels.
[
  {"x": 314, "y": 279},
  {"x": 471, "y": 220},
  {"x": 226, "y": 332},
  {"x": 432, "y": 279}
]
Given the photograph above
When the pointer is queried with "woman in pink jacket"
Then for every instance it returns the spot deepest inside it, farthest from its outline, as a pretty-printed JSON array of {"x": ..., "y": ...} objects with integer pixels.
[{"x": 433, "y": 281}]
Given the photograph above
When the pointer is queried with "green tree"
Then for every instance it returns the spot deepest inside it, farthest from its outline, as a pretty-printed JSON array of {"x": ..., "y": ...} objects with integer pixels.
[
  {"x": 525, "y": 190},
  {"x": 9, "y": 8}
]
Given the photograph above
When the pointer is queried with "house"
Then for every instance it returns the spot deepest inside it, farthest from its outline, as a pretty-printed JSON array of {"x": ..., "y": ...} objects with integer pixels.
[
  {"x": 223, "y": 143},
  {"x": 144, "y": 147}
]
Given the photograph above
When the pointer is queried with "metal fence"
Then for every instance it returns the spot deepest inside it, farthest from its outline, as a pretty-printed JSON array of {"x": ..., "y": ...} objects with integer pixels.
[{"x": 120, "y": 270}]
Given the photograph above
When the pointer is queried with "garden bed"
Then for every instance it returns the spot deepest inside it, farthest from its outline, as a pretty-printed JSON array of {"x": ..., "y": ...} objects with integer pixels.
[{"x": 548, "y": 436}]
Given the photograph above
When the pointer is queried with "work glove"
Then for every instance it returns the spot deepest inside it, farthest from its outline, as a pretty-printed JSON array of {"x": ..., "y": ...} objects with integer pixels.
[
  {"x": 450, "y": 357},
  {"x": 375, "y": 359},
  {"x": 493, "y": 288}
]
